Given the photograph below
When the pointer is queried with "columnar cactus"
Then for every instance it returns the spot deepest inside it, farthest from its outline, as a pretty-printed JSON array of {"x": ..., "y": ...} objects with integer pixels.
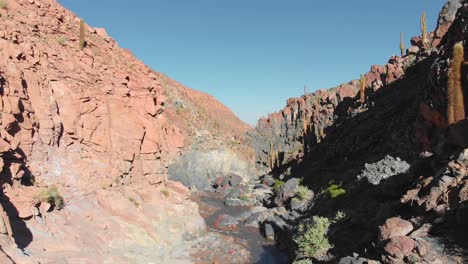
[
  {"x": 423, "y": 28},
  {"x": 362, "y": 89},
  {"x": 402, "y": 45},
  {"x": 82, "y": 34},
  {"x": 456, "y": 103}
]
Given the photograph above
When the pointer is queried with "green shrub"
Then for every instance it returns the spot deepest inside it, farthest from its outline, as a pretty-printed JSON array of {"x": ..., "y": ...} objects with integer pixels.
[
  {"x": 334, "y": 190},
  {"x": 311, "y": 237},
  {"x": 339, "y": 216},
  {"x": 303, "y": 193},
  {"x": 3, "y": 4},
  {"x": 50, "y": 195},
  {"x": 278, "y": 184},
  {"x": 295, "y": 200},
  {"x": 244, "y": 198},
  {"x": 303, "y": 261},
  {"x": 165, "y": 192},
  {"x": 61, "y": 41},
  {"x": 134, "y": 202}
]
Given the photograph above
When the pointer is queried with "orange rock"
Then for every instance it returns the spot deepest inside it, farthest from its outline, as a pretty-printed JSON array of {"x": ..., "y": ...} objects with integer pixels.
[{"x": 4, "y": 146}]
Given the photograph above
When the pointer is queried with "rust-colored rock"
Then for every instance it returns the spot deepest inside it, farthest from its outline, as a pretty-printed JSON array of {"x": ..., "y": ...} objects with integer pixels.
[
  {"x": 395, "y": 226},
  {"x": 399, "y": 247}
]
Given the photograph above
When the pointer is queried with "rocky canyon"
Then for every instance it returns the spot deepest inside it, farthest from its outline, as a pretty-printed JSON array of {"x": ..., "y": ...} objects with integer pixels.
[{"x": 105, "y": 160}]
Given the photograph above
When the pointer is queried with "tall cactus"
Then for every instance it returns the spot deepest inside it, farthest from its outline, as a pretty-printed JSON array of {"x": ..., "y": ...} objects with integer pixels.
[
  {"x": 82, "y": 34},
  {"x": 423, "y": 29},
  {"x": 456, "y": 103},
  {"x": 362, "y": 89},
  {"x": 402, "y": 45}
]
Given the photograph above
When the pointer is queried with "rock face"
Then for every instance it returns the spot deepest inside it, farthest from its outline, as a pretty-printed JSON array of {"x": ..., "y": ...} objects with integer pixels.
[
  {"x": 102, "y": 128},
  {"x": 413, "y": 165},
  {"x": 201, "y": 168}
]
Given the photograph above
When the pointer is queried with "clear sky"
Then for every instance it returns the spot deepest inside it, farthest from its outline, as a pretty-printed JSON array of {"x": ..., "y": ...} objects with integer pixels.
[{"x": 254, "y": 54}]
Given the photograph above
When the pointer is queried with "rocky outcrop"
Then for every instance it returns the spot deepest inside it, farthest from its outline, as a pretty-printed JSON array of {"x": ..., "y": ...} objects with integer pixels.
[
  {"x": 200, "y": 168},
  {"x": 289, "y": 135},
  {"x": 102, "y": 128},
  {"x": 397, "y": 141}
]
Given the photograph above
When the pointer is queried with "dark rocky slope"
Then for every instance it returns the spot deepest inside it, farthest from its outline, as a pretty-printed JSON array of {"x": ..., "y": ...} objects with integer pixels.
[{"x": 394, "y": 156}]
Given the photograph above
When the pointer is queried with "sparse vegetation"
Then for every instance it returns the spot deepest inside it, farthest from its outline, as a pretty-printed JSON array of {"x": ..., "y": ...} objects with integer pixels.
[
  {"x": 303, "y": 261},
  {"x": 311, "y": 237},
  {"x": 50, "y": 195},
  {"x": 456, "y": 103},
  {"x": 134, "y": 202},
  {"x": 334, "y": 190},
  {"x": 339, "y": 216},
  {"x": 244, "y": 198},
  {"x": 3, "y": 4},
  {"x": 278, "y": 184},
  {"x": 61, "y": 41},
  {"x": 165, "y": 192},
  {"x": 216, "y": 125}
]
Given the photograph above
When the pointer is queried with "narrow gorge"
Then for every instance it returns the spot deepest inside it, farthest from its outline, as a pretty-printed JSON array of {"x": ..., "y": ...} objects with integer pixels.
[{"x": 105, "y": 160}]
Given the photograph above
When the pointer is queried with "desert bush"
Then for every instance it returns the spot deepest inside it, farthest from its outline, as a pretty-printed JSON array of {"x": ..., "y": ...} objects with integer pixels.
[
  {"x": 334, "y": 190},
  {"x": 244, "y": 198},
  {"x": 311, "y": 237},
  {"x": 165, "y": 192},
  {"x": 61, "y": 41},
  {"x": 303, "y": 193},
  {"x": 3, "y": 4},
  {"x": 278, "y": 184},
  {"x": 50, "y": 195},
  {"x": 134, "y": 202},
  {"x": 303, "y": 261},
  {"x": 339, "y": 216}
]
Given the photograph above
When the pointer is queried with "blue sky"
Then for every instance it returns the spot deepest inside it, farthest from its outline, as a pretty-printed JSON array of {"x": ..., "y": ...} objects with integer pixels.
[{"x": 254, "y": 54}]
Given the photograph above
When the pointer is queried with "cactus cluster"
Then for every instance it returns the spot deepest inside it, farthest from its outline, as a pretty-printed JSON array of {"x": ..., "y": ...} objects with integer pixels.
[{"x": 456, "y": 103}]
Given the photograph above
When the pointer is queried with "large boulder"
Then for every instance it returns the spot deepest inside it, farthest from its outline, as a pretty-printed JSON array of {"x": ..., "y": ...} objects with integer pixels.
[
  {"x": 201, "y": 168},
  {"x": 398, "y": 248},
  {"x": 286, "y": 191},
  {"x": 395, "y": 226},
  {"x": 383, "y": 169}
]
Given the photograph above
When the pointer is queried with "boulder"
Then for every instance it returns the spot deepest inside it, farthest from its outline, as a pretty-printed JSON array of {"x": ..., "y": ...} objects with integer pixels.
[
  {"x": 218, "y": 182},
  {"x": 399, "y": 247},
  {"x": 383, "y": 169},
  {"x": 286, "y": 191},
  {"x": 268, "y": 180},
  {"x": 354, "y": 260},
  {"x": 224, "y": 221},
  {"x": 234, "y": 193},
  {"x": 269, "y": 231},
  {"x": 395, "y": 226},
  {"x": 234, "y": 179}
]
